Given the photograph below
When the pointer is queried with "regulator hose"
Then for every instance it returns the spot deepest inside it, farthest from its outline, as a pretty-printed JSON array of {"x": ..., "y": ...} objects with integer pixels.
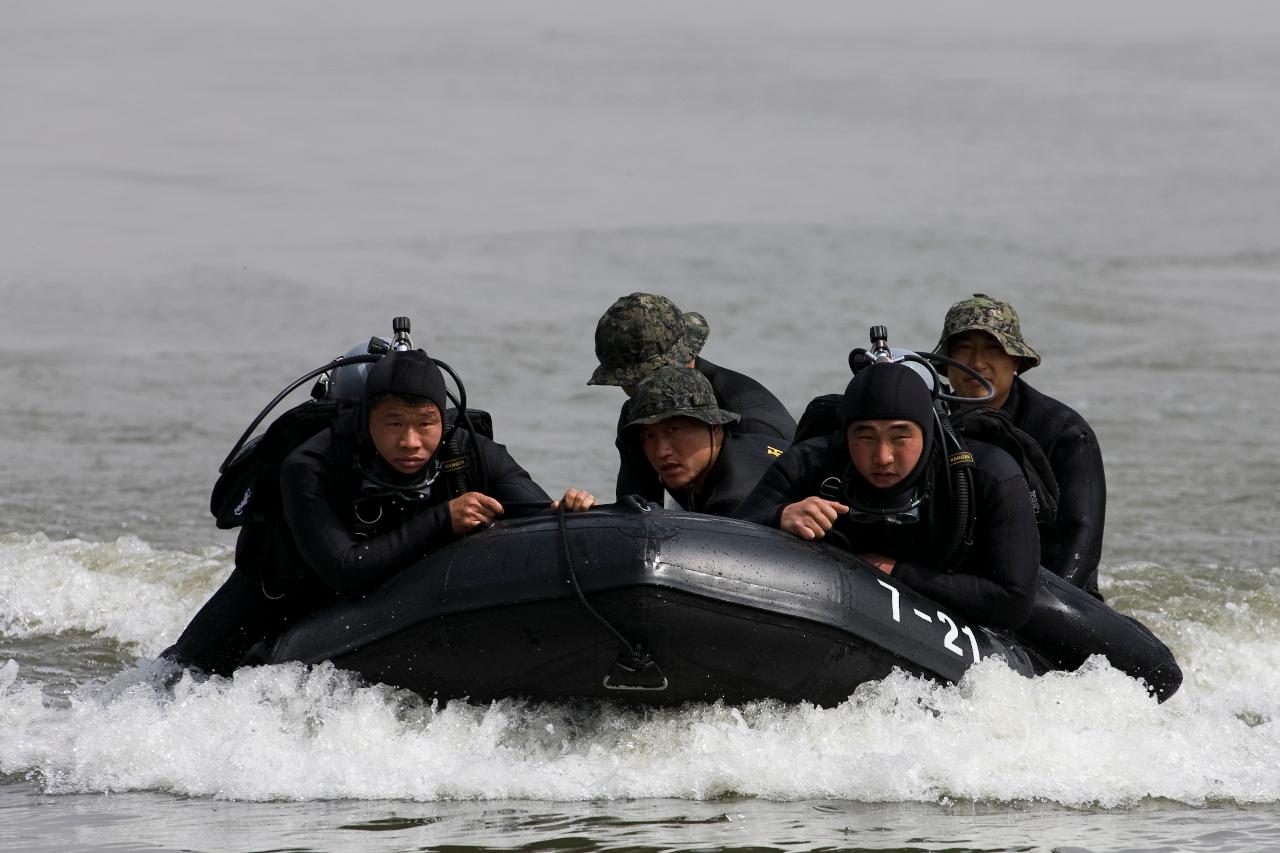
[
  {"x": 336, "y": 363},
  {"x": 960, "y": 477}
]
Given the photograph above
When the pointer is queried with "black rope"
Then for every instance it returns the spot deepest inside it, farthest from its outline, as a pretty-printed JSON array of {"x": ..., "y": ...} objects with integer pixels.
[{"x": 637, "y": 654}]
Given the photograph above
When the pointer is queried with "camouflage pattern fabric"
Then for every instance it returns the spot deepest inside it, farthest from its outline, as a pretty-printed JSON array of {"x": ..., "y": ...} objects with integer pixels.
[
  {"x": 672, "y": 392},
  {"x": 983, "y": 314},
  {"x": 642, "y": 332}
]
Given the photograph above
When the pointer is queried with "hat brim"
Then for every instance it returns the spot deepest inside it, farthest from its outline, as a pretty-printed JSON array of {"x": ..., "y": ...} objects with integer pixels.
[
  {"x": 710, "y": 416},
  {"x": 1016, "y": 348},
  {"x": 680, "y": 354}
]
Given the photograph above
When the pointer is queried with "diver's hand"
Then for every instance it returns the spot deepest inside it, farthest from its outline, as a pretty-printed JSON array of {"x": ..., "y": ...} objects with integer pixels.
[
  {"x": 812, "y": 517},
  {"x": 880, "y": 561},
  {"x": 575, "y": 500},
  {"x": 472, "y": 509}
]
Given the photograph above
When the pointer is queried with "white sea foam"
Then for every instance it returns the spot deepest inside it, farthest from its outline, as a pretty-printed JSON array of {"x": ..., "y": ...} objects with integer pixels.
[
  {"x": 1222, "y": 623},
  {"x": 124, "y": 589},
  {"x": 288, "y": 732}
]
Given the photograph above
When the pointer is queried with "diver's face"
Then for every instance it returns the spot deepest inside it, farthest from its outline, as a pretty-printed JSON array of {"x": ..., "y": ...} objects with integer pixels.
[
  {"x": 405, "y": 435},
  {"x": 884, "y": 452},
  {"x": 680, "y": 449},
  {"x": 983, "y": 353}
]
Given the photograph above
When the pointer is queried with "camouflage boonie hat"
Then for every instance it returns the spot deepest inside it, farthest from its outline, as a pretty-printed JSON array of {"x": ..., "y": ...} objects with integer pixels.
[
  {"x": 983, "y": 314},
  {"x": 642, "y": 332},
  {"x": 672, "y": 392}
]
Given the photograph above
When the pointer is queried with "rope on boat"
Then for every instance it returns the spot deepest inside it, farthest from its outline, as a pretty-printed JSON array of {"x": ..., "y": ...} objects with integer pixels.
[{"x": 635, "y": 663}]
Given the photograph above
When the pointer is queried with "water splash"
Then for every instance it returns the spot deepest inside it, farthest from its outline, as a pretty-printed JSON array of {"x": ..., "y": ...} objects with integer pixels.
[
  {"x": 123, "y": 590},
  {"x": 1093, "y": 737}
]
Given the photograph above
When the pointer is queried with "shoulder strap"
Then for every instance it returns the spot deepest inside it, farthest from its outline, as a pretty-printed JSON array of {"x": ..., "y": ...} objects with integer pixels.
[
  {"x": 995, "y": 427},
  {"x": 248, "y": 488}
]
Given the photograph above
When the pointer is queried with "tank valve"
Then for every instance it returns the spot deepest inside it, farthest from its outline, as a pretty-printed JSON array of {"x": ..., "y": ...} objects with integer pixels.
[
  {"x": 400, "y": 326},
  {"x": 880, "y": 344}
]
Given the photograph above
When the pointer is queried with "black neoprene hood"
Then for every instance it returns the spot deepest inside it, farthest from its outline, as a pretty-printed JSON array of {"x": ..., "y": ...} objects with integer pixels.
[
  {"x": 411, "y": 372},
  {"x": 887, "y": 392}
]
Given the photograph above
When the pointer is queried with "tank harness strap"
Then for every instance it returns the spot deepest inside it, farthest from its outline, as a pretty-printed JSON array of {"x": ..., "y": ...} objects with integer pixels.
[{"x": 463, "y": 466}]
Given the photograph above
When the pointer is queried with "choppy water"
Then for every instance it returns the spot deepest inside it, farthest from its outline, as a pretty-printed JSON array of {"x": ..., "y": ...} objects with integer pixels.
[{"x": 200, "y": 204}]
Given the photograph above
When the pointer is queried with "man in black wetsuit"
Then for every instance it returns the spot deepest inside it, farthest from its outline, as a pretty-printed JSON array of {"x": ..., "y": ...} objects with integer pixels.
[
  {"x": 360, "y": 501},
  {"x": 680, "y": 429},
  {"x": 643, "y": 332},
  {"x": 985, "y": 334},
  {"x": 882, "y": 484}
]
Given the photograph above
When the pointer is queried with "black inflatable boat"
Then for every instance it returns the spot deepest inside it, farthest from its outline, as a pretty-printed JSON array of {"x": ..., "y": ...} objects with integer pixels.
[{"x": 642, "y": 604}]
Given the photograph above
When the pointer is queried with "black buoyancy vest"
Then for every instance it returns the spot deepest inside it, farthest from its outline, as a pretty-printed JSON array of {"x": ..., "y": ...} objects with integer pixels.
[
  {"x": 248, "y": 489},
  {"x": 247, "y": 492},
  {"x": 981, "y": 423},
  {"x": 995, "y": 427},
  {"x": 984, "y": 423}
]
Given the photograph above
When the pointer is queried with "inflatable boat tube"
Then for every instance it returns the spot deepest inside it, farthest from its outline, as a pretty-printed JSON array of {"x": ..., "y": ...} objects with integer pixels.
[
  {"x": 1067, "y": 626},
  {"x": 641, "y": 604}
]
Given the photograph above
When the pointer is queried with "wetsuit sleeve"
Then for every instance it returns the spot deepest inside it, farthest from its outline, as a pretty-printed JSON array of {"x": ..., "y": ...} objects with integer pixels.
[
  {"x": 1082, "y": 505},
  {"x": 996, "y": 582},
  {"x": 508, "y": 483},
  {"x": 349, "y": 565},
  {"x": 789, "y": 479},
  {"x": 635, "y": 475}
]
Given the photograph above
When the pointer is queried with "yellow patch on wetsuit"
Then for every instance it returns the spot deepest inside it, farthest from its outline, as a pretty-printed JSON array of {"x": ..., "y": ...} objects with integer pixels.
[{"x": 771, "y": 450}]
